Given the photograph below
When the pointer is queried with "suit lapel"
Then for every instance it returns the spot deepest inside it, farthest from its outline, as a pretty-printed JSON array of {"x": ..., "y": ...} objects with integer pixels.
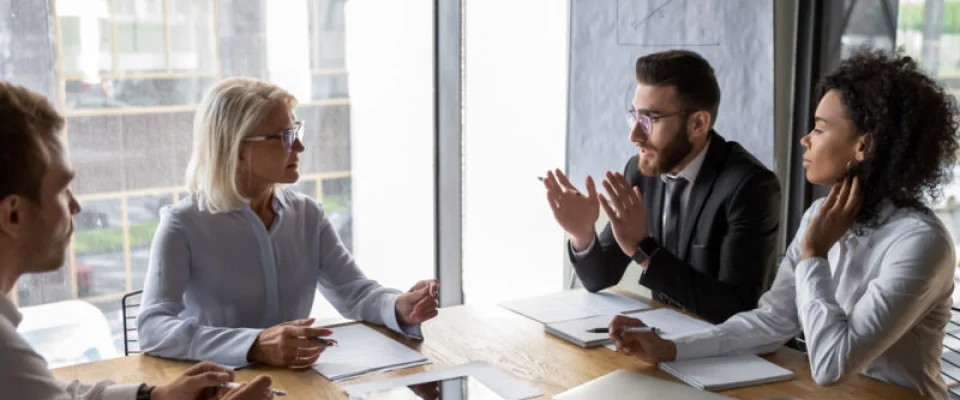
[{"x": 701, "y": 190}]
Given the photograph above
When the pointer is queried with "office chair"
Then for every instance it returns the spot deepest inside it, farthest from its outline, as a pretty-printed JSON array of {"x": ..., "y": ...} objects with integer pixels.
[
  {"x": 130, "y": 307},
  {"x": 950, "y": 360}
]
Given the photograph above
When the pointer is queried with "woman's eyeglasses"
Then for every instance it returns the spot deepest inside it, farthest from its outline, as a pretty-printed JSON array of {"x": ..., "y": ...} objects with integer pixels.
[{"x": 288, "y": 136}]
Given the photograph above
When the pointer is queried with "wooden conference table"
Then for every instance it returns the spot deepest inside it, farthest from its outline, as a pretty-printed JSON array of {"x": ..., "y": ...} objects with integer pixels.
[{"x": 512, "y": 343}]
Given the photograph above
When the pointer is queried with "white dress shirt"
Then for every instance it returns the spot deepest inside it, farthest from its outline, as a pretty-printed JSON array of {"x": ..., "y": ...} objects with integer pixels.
[
  {"x": 24, "y": 374},
  {"x": 689, "y": 173},
  {"x": 877, "y": 305}
]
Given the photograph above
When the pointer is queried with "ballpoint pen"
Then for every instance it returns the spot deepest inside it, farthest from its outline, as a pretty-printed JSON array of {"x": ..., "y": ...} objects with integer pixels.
[
  {"x": 645, "y": 329},
  {"x": 540, "y": 178},
  {"x": 325, "y": 342},
  {"x": 234, "y": 385}
]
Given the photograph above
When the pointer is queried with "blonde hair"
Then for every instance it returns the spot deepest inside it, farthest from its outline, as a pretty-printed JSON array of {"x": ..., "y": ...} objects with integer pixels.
[{"x": 228, "y": 113}]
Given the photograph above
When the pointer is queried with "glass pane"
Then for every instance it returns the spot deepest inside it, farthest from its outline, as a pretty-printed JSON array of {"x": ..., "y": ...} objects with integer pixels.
[
  {"x": 337, "y": 206},
  {"x": 86, "y": 37},
  {"x": 507, "y": 80},
  {"x": 132, "y": 93},
  {"x": 141, "y": 35},
  {"x": 192, "y": 36},
  {"x": 327, "y": 41},
  {"x": 98, "y": 241},
  {"x": 329, "y": 85},
  {"x": 869, "y": 25},
  {"x": 929, "y": 31}
]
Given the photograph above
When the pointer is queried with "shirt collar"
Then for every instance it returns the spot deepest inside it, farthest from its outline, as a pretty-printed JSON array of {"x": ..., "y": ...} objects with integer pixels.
[
  {"x": 692, "y": 169},
  {"x": 279, "y": 200},
  {"x": 885, "y": 212},
  {"x": 9, "y": 311}
]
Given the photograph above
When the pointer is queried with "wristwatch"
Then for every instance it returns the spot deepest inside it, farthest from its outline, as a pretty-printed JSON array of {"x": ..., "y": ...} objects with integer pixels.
[
  {"x": 143, "y": 392},
  {"x": 646, "y": 249}
]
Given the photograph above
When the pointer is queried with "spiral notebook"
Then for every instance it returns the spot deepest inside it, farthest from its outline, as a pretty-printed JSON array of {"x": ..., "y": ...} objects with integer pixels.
[{"x": 721, "y": 373}]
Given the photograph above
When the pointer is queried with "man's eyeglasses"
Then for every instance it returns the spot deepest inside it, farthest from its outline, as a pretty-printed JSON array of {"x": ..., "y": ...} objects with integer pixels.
[
  {"x": 634, "y": 117},
  {"x": 288, "y": 136}
]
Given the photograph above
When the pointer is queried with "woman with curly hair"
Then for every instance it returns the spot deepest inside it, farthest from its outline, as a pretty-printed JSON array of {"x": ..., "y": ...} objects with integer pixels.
[{"x": 868, "y": 277}]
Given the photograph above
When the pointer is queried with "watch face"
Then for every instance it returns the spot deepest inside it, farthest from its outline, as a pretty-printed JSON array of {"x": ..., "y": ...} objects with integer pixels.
[{"x": 648, "y": 246}]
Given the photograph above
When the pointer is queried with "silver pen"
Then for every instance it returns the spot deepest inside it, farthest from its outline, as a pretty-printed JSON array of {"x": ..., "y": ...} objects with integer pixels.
[
  {"x": 645, "y": 329},
  {"x": 234, "y": 385}
]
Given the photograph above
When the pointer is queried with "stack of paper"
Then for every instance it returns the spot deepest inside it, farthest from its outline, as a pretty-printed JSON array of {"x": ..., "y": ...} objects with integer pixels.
[
  {"x": 621, "y": 384},
  {"x": 363, "y": 351},
  {"x": 574, "y": 304},
  {"x": 671, "y": 324},
  {"x": 721, "y": 373},
  {"x": 575, "y": 331}
]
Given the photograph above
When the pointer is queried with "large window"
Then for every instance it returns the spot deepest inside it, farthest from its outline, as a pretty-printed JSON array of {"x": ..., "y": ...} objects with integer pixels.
[
  {"x": 128, "y": 74},
  {"x": 929, "y": 31},
  {"x": 514, "y": 129}
]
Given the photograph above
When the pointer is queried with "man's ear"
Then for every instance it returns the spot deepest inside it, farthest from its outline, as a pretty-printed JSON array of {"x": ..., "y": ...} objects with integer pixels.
[
  {"x": 11, "y": 215},
  {"x": 699, "y": 123}
]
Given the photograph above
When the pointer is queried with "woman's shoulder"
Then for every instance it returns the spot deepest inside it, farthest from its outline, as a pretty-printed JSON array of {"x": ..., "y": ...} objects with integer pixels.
[
  {"x": 903, "y": 221},
  {"x": 299, "y": 202}
]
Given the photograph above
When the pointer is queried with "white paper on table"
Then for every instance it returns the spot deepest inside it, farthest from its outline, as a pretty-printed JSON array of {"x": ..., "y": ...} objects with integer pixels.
[
  {"x": 576, "y": 331},
  {"x": 672, "y": 324},
  {"x": 332, "y": 321},
  {"x": 573, "y": 304},
  {"x": 500, "y": 382},
  {"x": 363, "y": 351}
]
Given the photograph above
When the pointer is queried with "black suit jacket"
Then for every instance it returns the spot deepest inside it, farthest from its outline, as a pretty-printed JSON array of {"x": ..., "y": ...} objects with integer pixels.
[{"x": 727, "y": 239}]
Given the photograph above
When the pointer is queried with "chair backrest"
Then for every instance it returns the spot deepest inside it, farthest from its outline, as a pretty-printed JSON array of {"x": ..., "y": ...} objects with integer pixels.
[
  {"x": 130, "y": 307},
  {"x": 950, "y": 360}
]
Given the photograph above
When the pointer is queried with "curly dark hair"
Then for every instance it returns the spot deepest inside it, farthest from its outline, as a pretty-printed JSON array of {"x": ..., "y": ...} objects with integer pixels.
[{"x": 913, "y": 125}]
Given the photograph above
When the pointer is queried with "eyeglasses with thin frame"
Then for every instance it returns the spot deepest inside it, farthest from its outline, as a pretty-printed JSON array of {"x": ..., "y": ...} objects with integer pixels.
[
  {"x": 288, "y": 136},
  {"x": 634, "y": 117}
]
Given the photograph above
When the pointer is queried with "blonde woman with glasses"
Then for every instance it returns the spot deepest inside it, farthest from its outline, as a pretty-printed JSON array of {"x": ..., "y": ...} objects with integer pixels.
[{"x": 233, "y": 267}]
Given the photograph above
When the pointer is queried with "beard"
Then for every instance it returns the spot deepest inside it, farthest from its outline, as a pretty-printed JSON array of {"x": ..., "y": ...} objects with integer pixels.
[
  {"x": 45, "y": 245},
  {"x": 669, "y": 156}
]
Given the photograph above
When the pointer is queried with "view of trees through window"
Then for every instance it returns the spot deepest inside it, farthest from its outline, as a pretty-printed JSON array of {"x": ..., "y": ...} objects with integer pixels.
[{"x": 128, "y": 74}]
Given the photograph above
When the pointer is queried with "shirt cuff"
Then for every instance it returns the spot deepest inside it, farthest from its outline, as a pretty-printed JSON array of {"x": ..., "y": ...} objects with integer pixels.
[
  {"x": 579, "y": 255},
  {"x": 120, "y": 392},
  {"x": 697, "y": 346},
  {"x": 812, "y": 280},
  {"x": 389, "y": 317},
  {"x": 234, "y": 354}
]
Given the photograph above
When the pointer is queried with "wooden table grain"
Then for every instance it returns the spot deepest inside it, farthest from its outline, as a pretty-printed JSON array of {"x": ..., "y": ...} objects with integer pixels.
[{"x": 508, "y": 341}]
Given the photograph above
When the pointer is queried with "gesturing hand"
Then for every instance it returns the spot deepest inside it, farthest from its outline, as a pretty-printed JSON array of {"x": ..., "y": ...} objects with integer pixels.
[
  {"x": 575, "y": 212},
  {"x": 833, "y": 219},
  {"x": 420, "y": 303},
  {"x": 628, "y": 217}
]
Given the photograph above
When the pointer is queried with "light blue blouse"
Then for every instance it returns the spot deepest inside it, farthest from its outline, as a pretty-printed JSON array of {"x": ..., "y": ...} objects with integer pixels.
[{"x": 215, "y": 281}]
